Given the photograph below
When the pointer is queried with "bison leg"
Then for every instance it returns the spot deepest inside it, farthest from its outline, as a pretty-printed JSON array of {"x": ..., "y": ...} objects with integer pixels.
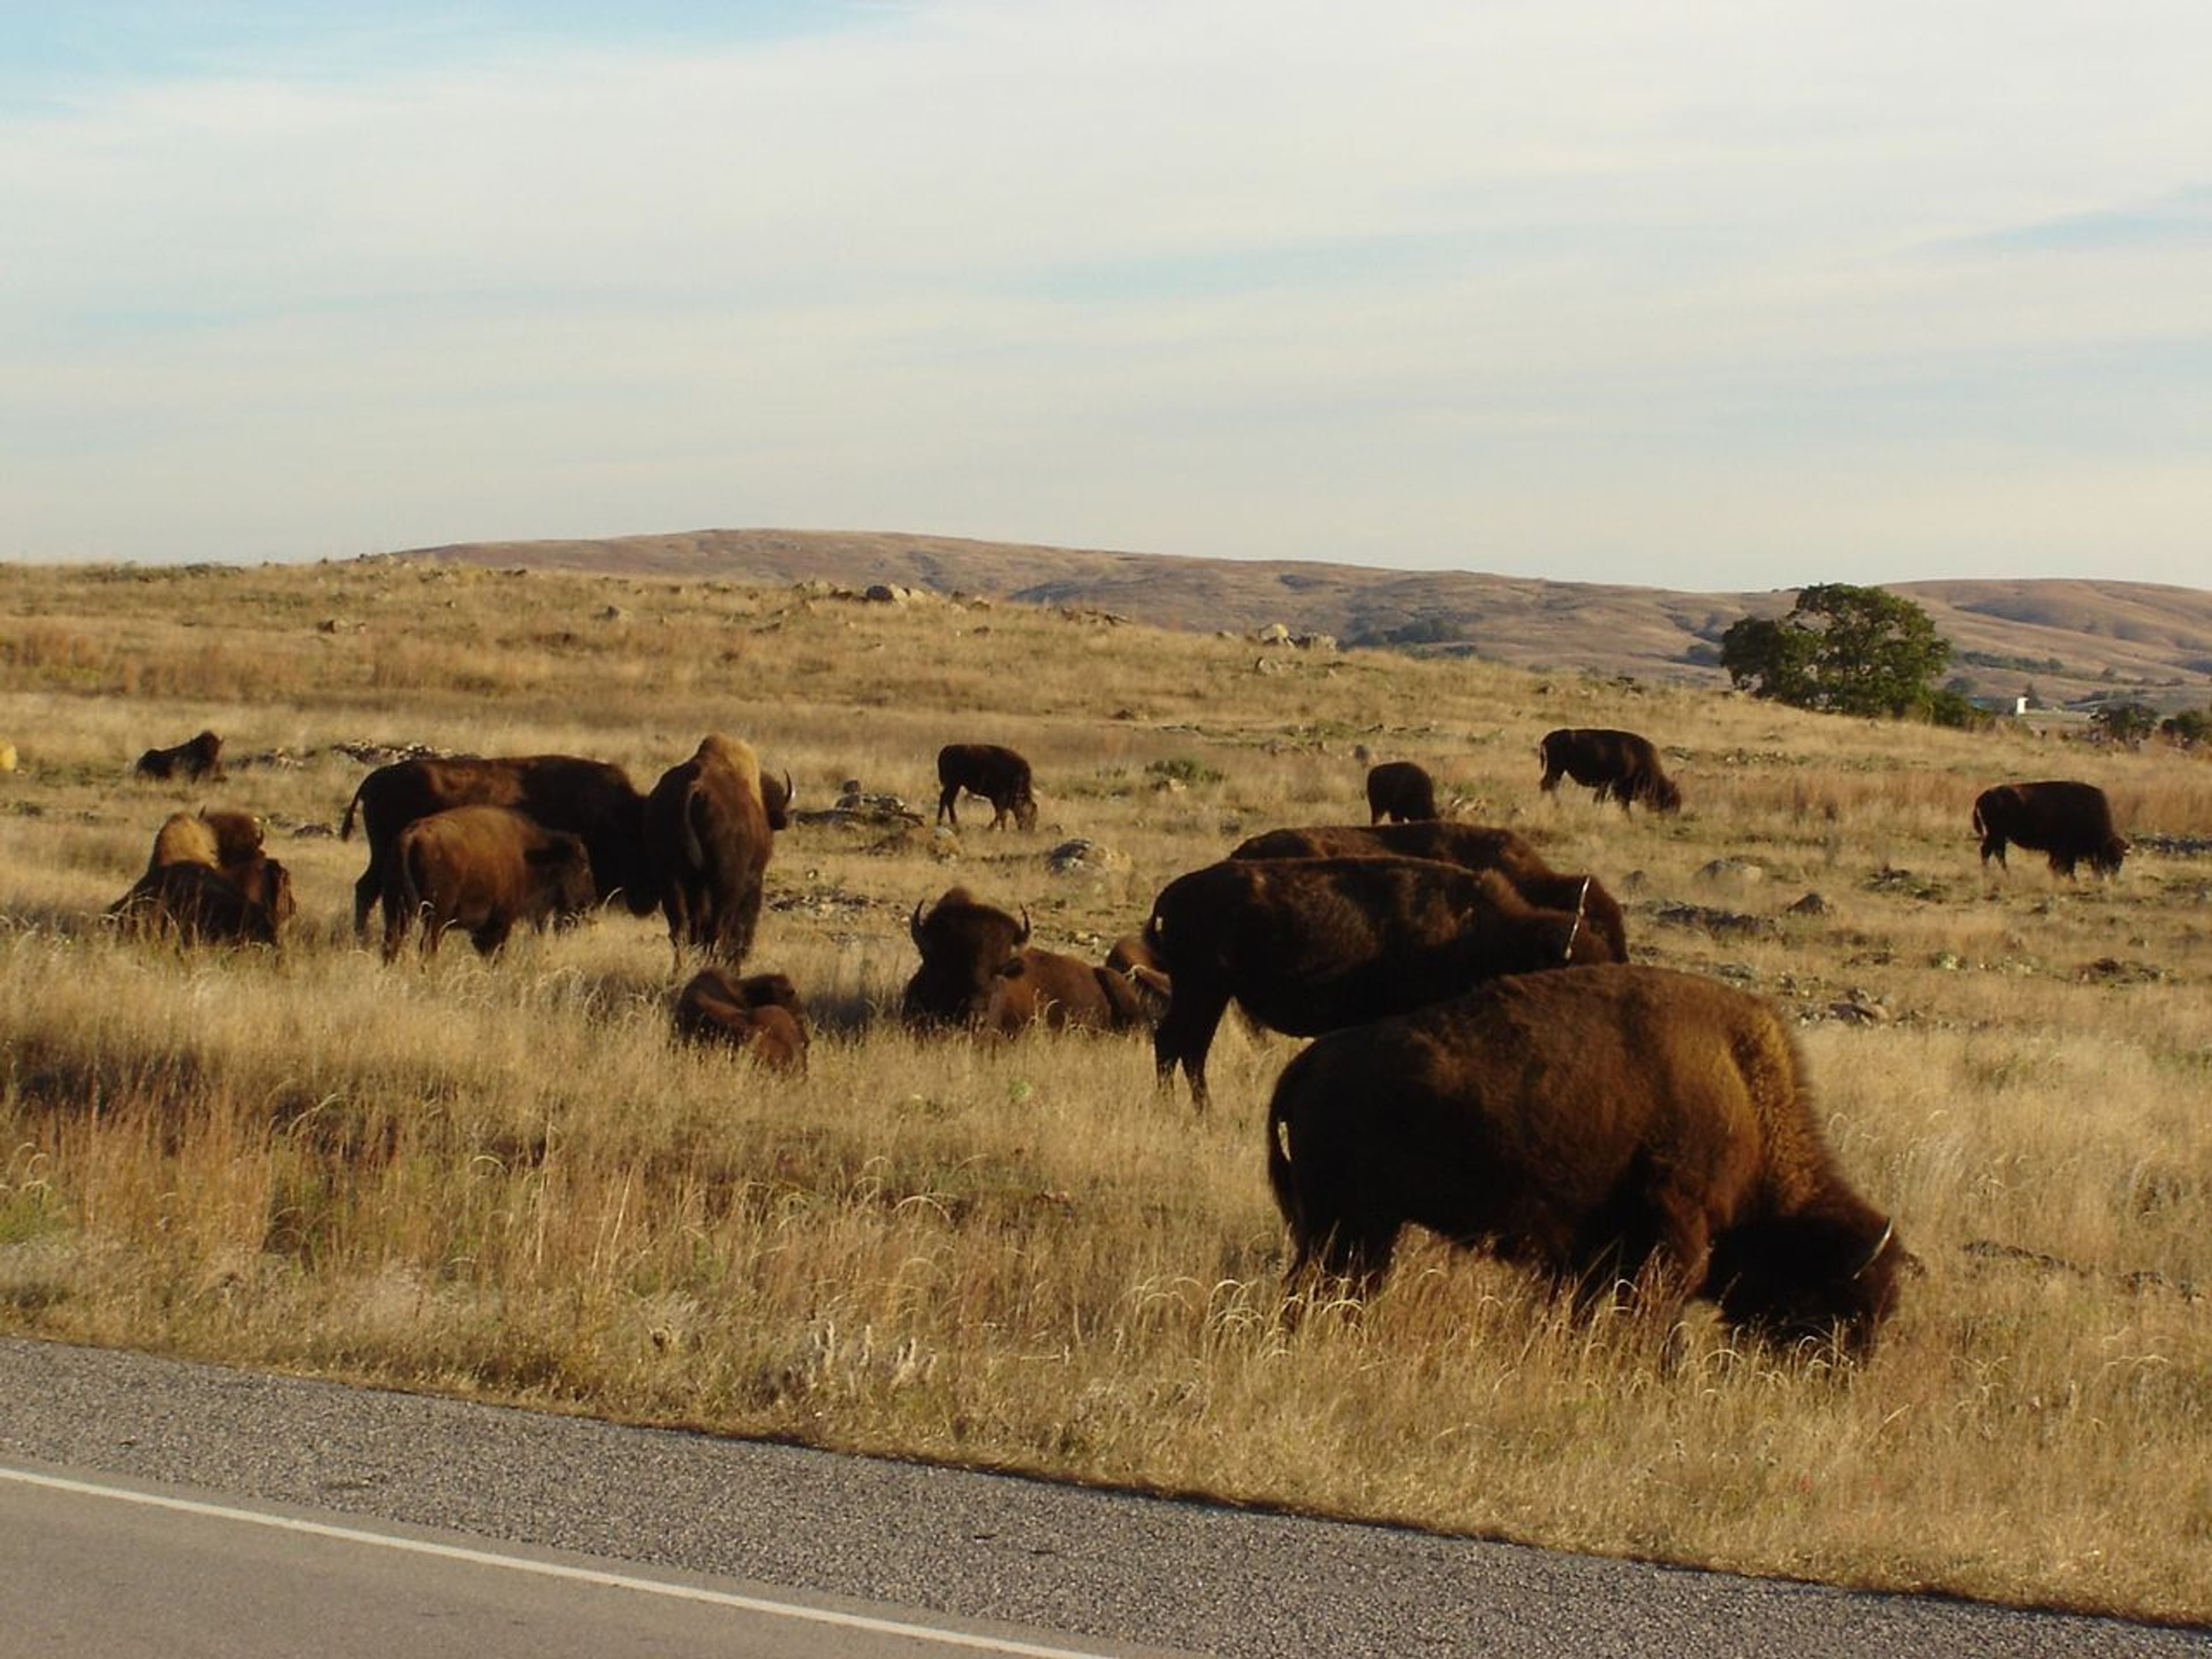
[
  {"x": 1184, "y": 1035},
  {"x": 1993, "y": 843},
  {"x": 946, "y": 812},
  {"x": 365, "y": 893}
]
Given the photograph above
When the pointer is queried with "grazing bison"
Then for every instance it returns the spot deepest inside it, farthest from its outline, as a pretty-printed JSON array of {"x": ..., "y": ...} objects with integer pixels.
[
  {"x": 1402, "y": 792},
  {"x": 1310, "y": 944},
  {"x": 200, "y": 758},
  {"x": 485, "y": 869},
  {"x": 1601, "y": 1126},
  {"x": 760, "y": 1014},
  {"x": 1470, "y": 846},
  {"x": 707, "y": 837},
  {"x": 979, "y": 970},
  {"x": 2068, "y": 821},
  {"x": 594, "y": 800},
  {"x": 999, "y": 775},
  {"x": 1618, "y": 764},
  {"x": 199, "y": 904}
]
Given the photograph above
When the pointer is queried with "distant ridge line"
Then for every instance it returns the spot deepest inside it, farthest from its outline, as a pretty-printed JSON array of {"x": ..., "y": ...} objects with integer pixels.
[{"x": 2068, "y": 639}]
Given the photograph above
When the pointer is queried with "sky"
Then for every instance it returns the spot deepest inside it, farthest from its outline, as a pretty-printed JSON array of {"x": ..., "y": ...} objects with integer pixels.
[{"x": 1718, "y": 295}]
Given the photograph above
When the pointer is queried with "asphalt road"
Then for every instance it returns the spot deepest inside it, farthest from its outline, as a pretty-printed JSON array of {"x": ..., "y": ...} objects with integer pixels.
[{"x": 615, "y": 1541}]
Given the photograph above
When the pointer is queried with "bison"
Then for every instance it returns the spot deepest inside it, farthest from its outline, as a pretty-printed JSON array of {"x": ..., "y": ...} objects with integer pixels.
[
  {"x": 201, "y": 757},
  {"x": 1619, "y": 765},
  {"x": 760, "y": 1014},
  {"x": 239, "y": 896},
  {"x": 978, "y": 970},
  {"x": 1310, "y": 944},
  {"x": 707, "y": 838},
  {"x": 998, "y": 775},
  {"x": 485, "y": 869},
  {"x": 1601, "y": 1126},
  {"x": 2068, "y": 821},
  {"x": 197, "y": 903},
  {"x": 1470, "y": 846},
  {"x": 594, "y": 800},
  {"x": 1402, "y": 792}
]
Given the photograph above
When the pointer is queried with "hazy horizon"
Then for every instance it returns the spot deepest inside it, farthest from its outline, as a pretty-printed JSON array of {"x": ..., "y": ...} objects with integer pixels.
[{"x": 1706, "y": 299}]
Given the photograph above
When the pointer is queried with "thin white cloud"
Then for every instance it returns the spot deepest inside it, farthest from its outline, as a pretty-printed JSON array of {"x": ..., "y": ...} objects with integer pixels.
[{"x": 1599, "y": 290}]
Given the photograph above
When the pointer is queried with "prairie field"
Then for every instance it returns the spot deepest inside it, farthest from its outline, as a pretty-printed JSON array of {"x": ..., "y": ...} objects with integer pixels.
[{"x": 504, "y": 1179}]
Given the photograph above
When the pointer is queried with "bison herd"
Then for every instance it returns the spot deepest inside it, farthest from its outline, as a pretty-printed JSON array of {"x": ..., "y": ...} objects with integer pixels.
[{"x": 1486, "y": 1064}]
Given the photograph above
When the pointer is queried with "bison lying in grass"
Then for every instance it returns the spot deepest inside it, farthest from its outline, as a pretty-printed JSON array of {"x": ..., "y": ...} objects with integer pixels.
[{"x": 1601, "y": 1126}]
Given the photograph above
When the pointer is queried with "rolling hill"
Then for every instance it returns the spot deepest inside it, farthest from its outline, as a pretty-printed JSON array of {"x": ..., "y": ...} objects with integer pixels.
[{"x": 2068, "y": 640}]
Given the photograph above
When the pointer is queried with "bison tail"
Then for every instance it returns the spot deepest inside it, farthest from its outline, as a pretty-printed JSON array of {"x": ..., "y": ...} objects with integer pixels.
[{"x": 345, "y": 824}]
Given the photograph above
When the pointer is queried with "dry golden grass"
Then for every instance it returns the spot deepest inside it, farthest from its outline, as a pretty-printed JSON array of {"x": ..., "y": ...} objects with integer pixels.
[{"x": 505, "y": 1180}]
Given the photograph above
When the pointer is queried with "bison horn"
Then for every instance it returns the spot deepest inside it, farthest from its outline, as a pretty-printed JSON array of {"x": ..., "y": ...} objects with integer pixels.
[
  {"x": 1888, "y": 1232},
  {"x": 914, "y": 924},
  {"x": 1024, "y": 938},
  {"x": 790, "y": 794}
]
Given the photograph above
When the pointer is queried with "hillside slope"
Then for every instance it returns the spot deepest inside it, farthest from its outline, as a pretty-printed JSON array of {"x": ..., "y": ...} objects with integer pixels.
[{"x": 2067, "y": 639}]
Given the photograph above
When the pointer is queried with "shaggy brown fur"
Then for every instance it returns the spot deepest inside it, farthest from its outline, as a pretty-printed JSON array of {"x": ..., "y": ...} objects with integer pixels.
[
  {"x": 1619, "y": 765},
  {"x": 484, "y": 869},
  {"x": 708, "y": 839},
  {"x": 1602, "y": 1126}
]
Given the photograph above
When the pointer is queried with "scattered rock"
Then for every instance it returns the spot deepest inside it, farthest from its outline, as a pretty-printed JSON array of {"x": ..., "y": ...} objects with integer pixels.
[
  {"x": 614, "y": 613},
  {"x": 1718, "y": 922},
  {"x": 7, "y": 756},
  {"x": 1313, "y": 642},
  {"x": 1740, "y": 873},
  {"x": 1860, "y": 1013},
  {"x": 1811, "y": 905},
  {"x": 2110, "y": 970},
  {"x": 1270, "y": 665},
  {"x": 1081, "y": 857},
  {"x": 1273, "y": 634}
]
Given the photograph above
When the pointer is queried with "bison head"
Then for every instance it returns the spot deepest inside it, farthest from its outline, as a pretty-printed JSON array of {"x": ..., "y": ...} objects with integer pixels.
[
  {"x": 963, "y": 944},
  {"x": 1809, "y": 1278}
]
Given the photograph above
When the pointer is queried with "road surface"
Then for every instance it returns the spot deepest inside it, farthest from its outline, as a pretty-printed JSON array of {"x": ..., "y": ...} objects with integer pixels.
[{"x": 646, "y": 1541}]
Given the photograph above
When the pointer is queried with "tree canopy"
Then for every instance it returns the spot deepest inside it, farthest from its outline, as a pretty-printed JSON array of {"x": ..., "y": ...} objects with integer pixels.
[{"x": 1845, "y": 649}]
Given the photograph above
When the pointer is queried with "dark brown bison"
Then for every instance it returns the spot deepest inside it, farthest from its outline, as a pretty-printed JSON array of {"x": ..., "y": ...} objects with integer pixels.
[
  {"x": 978, "y": 970},
  {"x": 1601, "y": 1126},
  {"x": 484, "y": 869},
  {"x": 1619, "y": 765},
  {"x": 707, "y": 837},
  {"x": 998, "y": 775},
  {"x": 201, "y": 757},
  {"x": 594, "y": 800},
  {"x": 1470, "y": 846},
  {"x": 199, "y": 904},
  {"x": 2068, "y": 821},
  {"x": 760, "y": 1014},
  {"x": 1402, "y": 792},
  {"x": 1310, "y": 944}
]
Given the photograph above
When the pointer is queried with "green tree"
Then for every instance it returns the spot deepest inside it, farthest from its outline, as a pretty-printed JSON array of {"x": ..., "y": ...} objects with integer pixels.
[
  {"x": 2126, "y": 722},
  {"x": 2186, "y": 730},
  {"x": 1849, "y": 650}
]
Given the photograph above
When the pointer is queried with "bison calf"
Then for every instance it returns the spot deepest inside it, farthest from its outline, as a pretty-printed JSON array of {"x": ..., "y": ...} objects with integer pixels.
[
  {"x": 760, "y": 1014},
  {"x": 1618, "y": 765},
  {"x": 485, "y": 869},
  {"x": 1602, "y": 1126},
  {"x": 998, "y": 775},
  {"x": 2066, "y": 821},
  {"x": 1402, "y": 792},
  {"x": 1310, "y": 944}
]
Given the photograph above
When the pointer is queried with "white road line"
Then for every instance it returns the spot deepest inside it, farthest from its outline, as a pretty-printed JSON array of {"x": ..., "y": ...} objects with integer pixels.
[{"x": 550, "y": 1569}]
